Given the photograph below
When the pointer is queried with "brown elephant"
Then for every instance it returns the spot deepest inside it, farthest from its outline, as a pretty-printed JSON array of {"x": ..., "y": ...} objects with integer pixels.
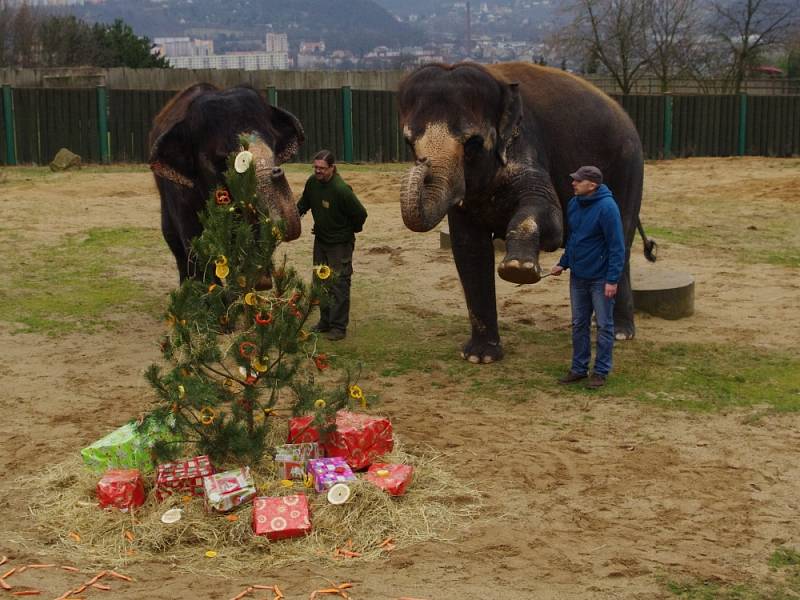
[
  {"x": 494, "y": 147},
  {"x": 190, "y": 141}
]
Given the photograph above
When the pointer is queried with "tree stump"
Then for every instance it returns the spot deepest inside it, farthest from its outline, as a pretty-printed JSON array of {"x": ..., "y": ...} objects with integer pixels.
[
  {"x": 665, "y": 294},
  {"x": 444, "y": 240}
]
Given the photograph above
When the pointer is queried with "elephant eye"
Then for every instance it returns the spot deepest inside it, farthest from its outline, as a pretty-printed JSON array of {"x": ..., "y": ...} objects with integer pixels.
[{"x": 473, "y": 145}]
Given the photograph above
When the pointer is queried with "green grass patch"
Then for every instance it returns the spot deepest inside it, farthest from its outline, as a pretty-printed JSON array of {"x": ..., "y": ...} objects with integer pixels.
[
  {"x": 75, "y": 284},
  {"x": 783, "y": 584}
]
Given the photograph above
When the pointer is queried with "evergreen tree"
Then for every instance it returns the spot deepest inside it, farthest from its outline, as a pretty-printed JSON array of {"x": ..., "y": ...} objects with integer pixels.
[{"x": 235, "y": 350}]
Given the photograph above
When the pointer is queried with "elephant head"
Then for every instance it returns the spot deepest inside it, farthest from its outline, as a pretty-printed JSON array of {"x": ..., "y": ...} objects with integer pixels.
[
  {"x": 459, "y": 122},
  {"x": 195, "y": 132}
]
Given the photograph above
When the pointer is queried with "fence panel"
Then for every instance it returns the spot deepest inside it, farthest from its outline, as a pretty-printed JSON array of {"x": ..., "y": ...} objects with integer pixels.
[
  {"x": 705, "y": 125},
  {"x": 773, "y": 125},
  {"x": 376, "y": 126},
  {"x": 647, "y": 113},
  {"x": 320, "y": 112},
  {"x": 131, "y": 116},
  {"x": 3, "y": 155}
]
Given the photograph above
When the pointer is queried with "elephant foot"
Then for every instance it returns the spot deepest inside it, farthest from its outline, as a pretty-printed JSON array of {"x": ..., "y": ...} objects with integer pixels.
[
  {"x": 623, "y": 333},
  {"x": 478, "y": 352},
  {"x": 519, "y": 271}
]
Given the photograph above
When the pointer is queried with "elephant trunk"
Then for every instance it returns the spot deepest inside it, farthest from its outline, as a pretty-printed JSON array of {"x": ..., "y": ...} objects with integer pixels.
[
  {"x": 427, "y": 193},
  {"x": 275, "y": 195}
]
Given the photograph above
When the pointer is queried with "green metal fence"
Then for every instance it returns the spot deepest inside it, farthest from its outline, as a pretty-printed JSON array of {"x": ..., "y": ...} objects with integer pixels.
[{"x": 363, "y": 126}]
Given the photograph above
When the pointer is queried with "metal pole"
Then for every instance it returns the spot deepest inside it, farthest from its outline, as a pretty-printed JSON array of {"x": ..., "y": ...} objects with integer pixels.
[
  {"x": 742, "y": 123},
  {"x": 8, "y": 120},
  {"x": 668, "y": 127},
  {"x": 102, "y": 123},
  {"x": 347, "y": 122}
]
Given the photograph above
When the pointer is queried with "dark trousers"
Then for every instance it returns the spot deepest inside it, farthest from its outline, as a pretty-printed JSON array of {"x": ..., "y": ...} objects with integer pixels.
[{"x": 335, "y": 311}]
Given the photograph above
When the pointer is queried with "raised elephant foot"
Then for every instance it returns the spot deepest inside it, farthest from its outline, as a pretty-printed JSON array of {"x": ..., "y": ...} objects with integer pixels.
[
  {"x": 621, "y": 336},
  {"x": 517, "y": 271},
  {"x": 482, "y": 352}
]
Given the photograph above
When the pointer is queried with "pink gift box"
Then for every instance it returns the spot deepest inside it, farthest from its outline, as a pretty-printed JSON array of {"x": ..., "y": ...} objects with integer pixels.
[
  {"x": 392, "y": 478},
  {"x": 282, "y": 517}
]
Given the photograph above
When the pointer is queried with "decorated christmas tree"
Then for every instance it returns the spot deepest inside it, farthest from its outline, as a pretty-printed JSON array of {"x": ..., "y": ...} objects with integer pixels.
[{"x": 237, "y": 348}]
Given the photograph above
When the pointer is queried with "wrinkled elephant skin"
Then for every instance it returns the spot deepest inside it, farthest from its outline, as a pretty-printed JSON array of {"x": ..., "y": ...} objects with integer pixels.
[
  {"x": 190, "y": 141},
  {"x": 493, "y": 149}
]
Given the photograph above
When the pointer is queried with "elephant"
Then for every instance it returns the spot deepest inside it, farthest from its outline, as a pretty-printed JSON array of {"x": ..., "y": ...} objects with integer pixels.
[
  {"x": 493, "y": 149},
  {"x": 190, "y": 141}
]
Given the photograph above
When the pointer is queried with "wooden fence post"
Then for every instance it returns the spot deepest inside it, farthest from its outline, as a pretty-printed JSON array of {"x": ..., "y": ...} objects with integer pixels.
[
  {"x": 8, "y": 120},
  {"x": 102, "y": 123},
  {"x": 347, "y": 122},
  {"x": 742, "y": 124},
  {"x": 272, "y": 95},
  {"x": 668, "y": 127}
]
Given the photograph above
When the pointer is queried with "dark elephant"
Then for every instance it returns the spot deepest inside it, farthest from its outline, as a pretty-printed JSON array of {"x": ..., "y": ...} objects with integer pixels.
[
  {"x": 494, "y": 147},
  {"x": 190, "y": 142}
]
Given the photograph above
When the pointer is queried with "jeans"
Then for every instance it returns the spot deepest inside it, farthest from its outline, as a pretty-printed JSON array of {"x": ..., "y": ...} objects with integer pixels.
[
  {"x": 587, "y": 296},
  {"x": 335, "y": 310}
]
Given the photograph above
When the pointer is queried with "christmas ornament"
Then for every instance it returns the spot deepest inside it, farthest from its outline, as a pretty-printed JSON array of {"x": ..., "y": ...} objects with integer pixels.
[
  {"x": 242, "y": 162},
  {"x": 322, "y": 271}
]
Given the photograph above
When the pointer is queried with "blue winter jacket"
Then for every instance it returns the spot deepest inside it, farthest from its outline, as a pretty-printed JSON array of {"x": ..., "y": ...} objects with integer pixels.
[{"x": 595, "y": 247}]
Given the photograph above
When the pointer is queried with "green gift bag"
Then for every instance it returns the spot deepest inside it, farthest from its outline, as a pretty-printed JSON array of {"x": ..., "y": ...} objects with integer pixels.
[{"x": 128, "y": 447}]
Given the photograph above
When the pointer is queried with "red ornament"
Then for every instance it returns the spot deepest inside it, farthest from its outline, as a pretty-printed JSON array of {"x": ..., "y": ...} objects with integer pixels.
[
  {"x": 222, "y": 197},
  {"x": 321, "y": 361},
  {"x": 263, "y": 320},
  {"x": 247, "y": 349}
]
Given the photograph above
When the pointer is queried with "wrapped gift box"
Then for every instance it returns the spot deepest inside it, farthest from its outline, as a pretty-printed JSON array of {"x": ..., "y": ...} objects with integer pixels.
[
  {"x": 358, "y": 438},
  {"x": 292, "y": 459},
  {"x": 327, "y": 471},
  {"x": 280, "y": 518},
  {"x": 225, "y": 491},
  {"x": 185, "y": 477},
  {"x": 128, "y": 447},
  {"x": 392, "y": 478},
  {"x": 121, "y": 488}
]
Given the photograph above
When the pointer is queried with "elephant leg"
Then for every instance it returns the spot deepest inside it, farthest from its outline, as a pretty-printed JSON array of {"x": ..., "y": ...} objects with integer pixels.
[
  {"x": 538, "y": 211},
  {"x": 172, "y": 236},
  {"x": 473, "y": 253},
  {"x": 624, "y": 327}
]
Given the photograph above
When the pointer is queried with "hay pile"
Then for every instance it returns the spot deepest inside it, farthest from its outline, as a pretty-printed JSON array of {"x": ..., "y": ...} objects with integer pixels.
[{"x": 64, "y": 508}]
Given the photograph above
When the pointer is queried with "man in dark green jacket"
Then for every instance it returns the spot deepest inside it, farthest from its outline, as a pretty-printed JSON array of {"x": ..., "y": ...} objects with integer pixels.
[{"x": 338, "y": 215}]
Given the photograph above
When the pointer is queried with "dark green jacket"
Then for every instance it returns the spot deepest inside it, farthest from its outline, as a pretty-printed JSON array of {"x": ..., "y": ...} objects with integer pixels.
[{"x": 337, "y": 212}]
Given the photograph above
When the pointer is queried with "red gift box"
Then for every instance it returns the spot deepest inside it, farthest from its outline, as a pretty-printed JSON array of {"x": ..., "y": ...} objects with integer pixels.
[
  {"x": 121, "y": 488},
  {"x": 185, "y": 477},
  {"x": 392, "y": 478},
  {"x": 281, "y": 517},
  {"x": 358, "y": 438}
]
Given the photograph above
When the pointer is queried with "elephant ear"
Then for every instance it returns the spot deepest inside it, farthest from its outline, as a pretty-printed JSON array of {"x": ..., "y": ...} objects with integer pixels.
[
  {"x": 170, "y": 151},
  {"x": 509, "y": 121},
  {"x": 289, "y": 134}
]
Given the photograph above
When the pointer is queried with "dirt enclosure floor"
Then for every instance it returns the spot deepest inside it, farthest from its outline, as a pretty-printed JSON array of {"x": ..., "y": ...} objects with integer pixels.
[{"x": 584, "y": 496}]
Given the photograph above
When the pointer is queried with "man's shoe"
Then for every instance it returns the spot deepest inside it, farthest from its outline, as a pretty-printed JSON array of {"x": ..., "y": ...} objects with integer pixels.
[
  {"x": 320, "y": 328},
  {"x": 334, "y": 335},
  {"x": 571, "y": 377},
  {"x": 596, "y": 381}
]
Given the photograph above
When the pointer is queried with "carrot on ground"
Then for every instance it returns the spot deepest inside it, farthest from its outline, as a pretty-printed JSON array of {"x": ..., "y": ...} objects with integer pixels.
[
  {"x": 119, "y": 576},
  {"x": 68, "y": 568},
  {"x": 26, "y": 593}
]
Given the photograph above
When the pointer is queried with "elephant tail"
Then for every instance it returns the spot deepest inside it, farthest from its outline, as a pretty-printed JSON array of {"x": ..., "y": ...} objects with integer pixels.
[{"x": 650, "y": 246}]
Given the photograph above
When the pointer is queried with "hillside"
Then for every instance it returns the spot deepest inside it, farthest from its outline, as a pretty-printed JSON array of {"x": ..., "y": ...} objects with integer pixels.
[{"x": 356, "y": 25}]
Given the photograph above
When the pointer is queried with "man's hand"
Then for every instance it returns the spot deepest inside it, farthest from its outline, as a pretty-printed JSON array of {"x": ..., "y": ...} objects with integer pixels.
[
  {"x": 557, "y": 270},
  {"x": 611, "y": 290}
]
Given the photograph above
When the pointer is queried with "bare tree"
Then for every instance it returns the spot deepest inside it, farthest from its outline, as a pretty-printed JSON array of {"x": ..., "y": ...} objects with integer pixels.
[
  {"x": 24, "y": 47},
  {"x": 614, "y": 33},
  {"x": 6, "y": 34},
  {"x": 673, "y": 29},
  {"x": 747, "y": 27}
]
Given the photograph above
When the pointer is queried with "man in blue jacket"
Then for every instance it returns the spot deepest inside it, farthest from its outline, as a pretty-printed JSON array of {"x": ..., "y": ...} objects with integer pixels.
[{"x": 595, "y": 255}]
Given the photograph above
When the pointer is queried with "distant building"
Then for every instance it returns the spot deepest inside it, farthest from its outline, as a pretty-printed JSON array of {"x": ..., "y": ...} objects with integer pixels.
[
  {"x": 172, "y": 47},
  {"x": 247, "y": 61},
  {"x": 277, "y": 42}
]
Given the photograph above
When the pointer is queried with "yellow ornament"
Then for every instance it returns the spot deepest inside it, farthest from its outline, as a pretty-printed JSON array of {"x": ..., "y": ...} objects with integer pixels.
[
  {"x": 320, "y": 403},
  {"x": 241, "y": 280},
  {"x": 222, "y": 271},
  {"x": 276, "y": 233},
  {"x": 212, "y": 287},
  {"x": 308, "y": 480},
  {"x": 211, "y": 554},
  {"x": 207, "y": 415},
  {"x": 323, "y": 271},
  {"x": 258, "y": 365},
  {"x": 356, "y": 393},
  {"x": 287, "y": 483},
  {"x": 181, "y": 391},
  {"x": 250, "y": 299},
  {"x": 382, "y": 473}
]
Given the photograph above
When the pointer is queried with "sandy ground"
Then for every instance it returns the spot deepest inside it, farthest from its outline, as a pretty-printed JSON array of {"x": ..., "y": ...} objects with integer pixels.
[{"x": 582, "y": 499}]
